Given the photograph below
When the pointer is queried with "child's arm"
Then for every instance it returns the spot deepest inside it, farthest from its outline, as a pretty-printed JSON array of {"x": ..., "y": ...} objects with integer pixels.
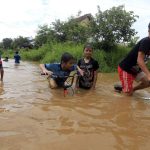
[
  {"x": 96, "y": 67},
  {"x": 80, "y": 71},
  {"x": 95, "y": 79},
  {"x": 76, "y": 82},
  {"x": 44, "y": 70}
]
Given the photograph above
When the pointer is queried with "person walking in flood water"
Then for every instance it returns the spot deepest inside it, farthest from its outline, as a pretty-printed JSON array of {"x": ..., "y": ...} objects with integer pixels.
[
  {"x": 17, "y": 58},
  {"x": 133, "y": 67},
  {"x": 1, "y": 69},
  {"x": 88, "y": 69},
  {"x": 59, "y": 72}
]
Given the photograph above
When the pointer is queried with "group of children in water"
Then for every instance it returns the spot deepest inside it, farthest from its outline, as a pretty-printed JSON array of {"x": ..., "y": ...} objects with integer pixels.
[
  {"x": 132, "y": 67},
  {"x": 87, "y": 68}
]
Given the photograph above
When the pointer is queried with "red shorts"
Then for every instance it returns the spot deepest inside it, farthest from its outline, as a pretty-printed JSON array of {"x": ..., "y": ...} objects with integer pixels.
[{"x": 126, "y": 80}]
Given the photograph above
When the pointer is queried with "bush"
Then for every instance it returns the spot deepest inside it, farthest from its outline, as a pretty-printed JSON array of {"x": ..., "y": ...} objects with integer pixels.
[
  {"x": 36, "y": 55},
  {"x": 50, "y": 53},
  {"x": 59, "y": 48}
]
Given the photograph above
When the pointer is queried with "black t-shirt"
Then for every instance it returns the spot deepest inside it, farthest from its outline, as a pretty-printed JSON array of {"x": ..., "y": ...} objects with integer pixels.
[
  {"x": 87, "y": 80},
  {"x": 129, "y": 63}
]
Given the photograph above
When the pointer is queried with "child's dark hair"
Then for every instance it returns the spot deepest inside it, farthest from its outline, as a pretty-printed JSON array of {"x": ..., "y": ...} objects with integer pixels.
[
  {"x": 87, "y": 46},
  {"x": 16, "y": 52},
  {"x": 66, "y": 57}
]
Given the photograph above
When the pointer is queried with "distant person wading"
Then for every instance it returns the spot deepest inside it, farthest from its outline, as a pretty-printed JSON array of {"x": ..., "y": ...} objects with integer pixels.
[{"x": 17, "y": 58}]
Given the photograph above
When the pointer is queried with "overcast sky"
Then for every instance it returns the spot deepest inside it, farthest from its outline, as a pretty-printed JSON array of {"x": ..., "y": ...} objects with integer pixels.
[{"x": 22, "y": 17}]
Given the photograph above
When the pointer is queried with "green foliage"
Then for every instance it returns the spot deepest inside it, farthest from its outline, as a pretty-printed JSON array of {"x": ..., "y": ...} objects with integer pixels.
[
  {"x": 106, "y": 29},
  {"x": 7, "y": 43},
  {"x": 109, "y": 60},
  {"x": 16, "y": 43},
  {"x": 133, "y": 41},
  {"x": 43, "y": 34},
  {"x": 59, "y": 33},
  {"x": 50, "y": 53},
  {"x": 70, "y": 31},
  {"x": 7, "y": 53},
  {"x": 36, "y": 55},
  {"x": 76, "y": 32},
  {"x": 20, "y": 42},
  {"x": 63, "y": 31},
  {"x": 1, "y": 45},
  {"x": 54, "y": 52},
  {"x": 113, "y": 26}
]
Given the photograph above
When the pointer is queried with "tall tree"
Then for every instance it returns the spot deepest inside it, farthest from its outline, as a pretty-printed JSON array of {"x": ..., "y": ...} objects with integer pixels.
[
  {"x": 7, "y": 43},
  {"x": 42, "y": 35},
  {"x": 113, "y": 26},
  {"x": 20, "y": 42}
]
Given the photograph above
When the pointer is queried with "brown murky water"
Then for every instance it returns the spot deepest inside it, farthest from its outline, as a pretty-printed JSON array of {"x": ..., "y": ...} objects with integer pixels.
[{"x": 33, "y": 117}]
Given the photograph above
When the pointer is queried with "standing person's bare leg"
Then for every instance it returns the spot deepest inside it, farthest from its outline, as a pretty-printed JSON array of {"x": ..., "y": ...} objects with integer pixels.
[
  {"x": 2, "y": 74},
  {"x": 144, "y": 83}
]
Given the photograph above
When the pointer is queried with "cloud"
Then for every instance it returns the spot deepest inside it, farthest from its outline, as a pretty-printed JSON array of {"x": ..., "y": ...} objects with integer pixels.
[{"x": 22, "y": 17}]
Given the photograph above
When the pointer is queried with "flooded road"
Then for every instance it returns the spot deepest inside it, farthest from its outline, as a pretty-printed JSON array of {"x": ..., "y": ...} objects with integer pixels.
[{"x": 33, "y": 117}]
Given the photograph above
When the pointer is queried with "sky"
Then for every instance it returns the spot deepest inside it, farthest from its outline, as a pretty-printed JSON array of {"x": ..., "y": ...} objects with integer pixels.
[{"x": 22, "y": 17}]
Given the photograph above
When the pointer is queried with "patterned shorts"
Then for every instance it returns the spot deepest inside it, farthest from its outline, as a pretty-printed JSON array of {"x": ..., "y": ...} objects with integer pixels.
[{"x": 126, "y": 80}]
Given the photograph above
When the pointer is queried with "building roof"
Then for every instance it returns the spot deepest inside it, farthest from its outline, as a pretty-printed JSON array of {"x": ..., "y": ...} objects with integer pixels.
[{"x": 79, "y": 19}]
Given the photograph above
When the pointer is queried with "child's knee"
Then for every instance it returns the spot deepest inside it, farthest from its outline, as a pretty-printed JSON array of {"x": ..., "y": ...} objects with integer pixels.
[{"x": 52, "y": 84}]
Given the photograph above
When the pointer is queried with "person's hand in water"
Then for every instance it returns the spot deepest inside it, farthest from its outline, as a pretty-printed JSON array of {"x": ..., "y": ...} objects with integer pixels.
[{"x": 46, "y": 72}]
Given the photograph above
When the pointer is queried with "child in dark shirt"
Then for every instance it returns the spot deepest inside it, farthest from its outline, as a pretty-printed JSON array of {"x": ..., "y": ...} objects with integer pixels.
[{"x": 88, "y": 69}]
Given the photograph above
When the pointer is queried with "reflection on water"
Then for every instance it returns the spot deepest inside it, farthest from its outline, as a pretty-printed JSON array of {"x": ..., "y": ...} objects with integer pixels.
[{"x": 34, "y": 117}]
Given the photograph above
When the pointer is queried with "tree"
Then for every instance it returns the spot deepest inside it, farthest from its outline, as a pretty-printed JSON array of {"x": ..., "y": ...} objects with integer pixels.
[
  {"x": 133, "y": 41},
  {"x": 71, "y": 30},
  {"x": 113, "y": 26},
  {"x": 59, "y": 31},
  {"x": 7, "y": 43},
  {"x": 42, "y": 35},
  {"x": 20, "y": 42},
  {"x": 1, "y": 45},
  {"x": 63, "y": 31},
  {"x": 77, "y": 32}
]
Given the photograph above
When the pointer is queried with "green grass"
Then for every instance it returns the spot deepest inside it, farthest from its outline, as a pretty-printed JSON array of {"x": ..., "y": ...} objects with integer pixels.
[
  {"x": 8, "y": 53},
  {"x": 50, "y": 53},
  {"x": 54, "y": 54},
  {"x": 109, "y": 60}
]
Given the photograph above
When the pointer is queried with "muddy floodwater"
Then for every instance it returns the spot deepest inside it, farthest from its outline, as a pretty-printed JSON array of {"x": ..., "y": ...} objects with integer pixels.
[{"x": 33, "y": 117}]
